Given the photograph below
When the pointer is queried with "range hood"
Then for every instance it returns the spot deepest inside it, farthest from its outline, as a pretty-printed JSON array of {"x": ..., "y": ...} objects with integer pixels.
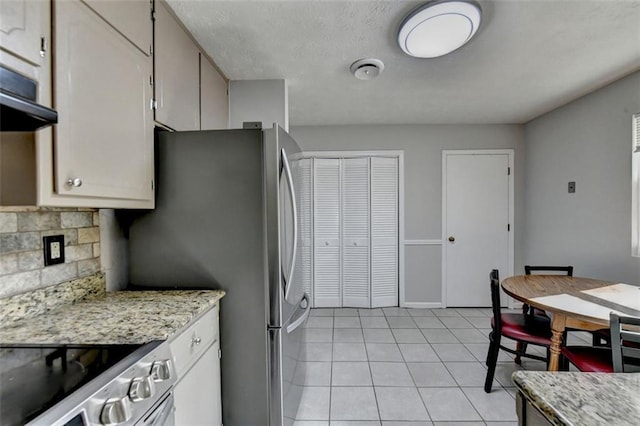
[{"x": 19, "y": 111}]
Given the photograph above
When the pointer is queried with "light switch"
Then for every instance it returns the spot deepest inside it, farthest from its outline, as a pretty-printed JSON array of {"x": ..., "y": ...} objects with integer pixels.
[{"x": 572, "y": 187}]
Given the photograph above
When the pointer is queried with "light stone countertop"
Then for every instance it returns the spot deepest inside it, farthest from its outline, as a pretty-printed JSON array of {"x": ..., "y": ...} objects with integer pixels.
[
  {"x": 583, "y": 399},
  {"x": 103, "y": 318}
]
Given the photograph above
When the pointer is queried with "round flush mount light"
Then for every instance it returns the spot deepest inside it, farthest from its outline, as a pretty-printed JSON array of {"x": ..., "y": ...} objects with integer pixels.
[
  {"x": 439, "y": 27},
  {"x": 367, "y": 69}
]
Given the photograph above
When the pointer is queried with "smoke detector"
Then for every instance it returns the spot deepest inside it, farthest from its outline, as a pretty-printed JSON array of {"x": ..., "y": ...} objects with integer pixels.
[{"x": 367, "y": 69}]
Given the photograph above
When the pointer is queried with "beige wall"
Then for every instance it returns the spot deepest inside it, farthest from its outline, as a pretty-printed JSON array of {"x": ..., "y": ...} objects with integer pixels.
[{"x": 21, "y": 250}]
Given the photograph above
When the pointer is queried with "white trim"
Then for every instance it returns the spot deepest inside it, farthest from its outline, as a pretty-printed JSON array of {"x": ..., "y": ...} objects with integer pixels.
[
  {"x": 510, "y": 154},
  {"x": 423, "y": 305},
  {"x": 422, "y": 242},
  {"x": 351, "y": 154},
  {"x": 635, "y": 187},
  {"x": 401, "y": 294}
]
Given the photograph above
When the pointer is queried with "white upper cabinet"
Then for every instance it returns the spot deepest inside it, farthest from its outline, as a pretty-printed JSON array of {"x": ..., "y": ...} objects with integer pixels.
[
  {"x": 214, "y": 103},
  {"x": 177, "y": 69},
  {"x": 24, "y": 29},
  {"x": 104, "y": 136},
  {"x": 126, "y": 16}
]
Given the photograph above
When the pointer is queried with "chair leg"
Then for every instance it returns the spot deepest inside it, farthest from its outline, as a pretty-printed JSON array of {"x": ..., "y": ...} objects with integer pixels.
[
  {"x": 492, "y": 359},
  {"x": 521, "y": 347}
]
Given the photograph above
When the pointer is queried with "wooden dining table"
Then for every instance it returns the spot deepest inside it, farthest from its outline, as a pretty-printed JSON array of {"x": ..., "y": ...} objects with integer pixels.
[{"x": 574, "y": 302}]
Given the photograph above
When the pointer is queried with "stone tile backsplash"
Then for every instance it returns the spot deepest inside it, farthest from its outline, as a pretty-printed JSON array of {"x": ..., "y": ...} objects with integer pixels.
[{"x": 21, "y": 248}]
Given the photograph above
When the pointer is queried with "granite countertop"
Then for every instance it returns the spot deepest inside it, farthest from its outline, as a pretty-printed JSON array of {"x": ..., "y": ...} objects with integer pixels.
[
  {"x": 584, "y": 399},
  {"x": 102, "y": 318}
]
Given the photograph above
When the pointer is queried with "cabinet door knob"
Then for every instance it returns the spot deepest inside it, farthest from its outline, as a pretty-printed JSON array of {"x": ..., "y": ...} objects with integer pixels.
[
  {"x": 74, "y": 182},
  {"x": 451, "y": 239},
  {"x": 196, "y": 341}
]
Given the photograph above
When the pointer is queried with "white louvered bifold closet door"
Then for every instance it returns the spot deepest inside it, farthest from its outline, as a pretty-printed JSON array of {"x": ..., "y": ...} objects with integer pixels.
[
  {"x": 303, "y": 185},
  {"x": 355, "y": 233},
  {"x": 326, "y": 227},
  {"x": 384, "y": 232}
]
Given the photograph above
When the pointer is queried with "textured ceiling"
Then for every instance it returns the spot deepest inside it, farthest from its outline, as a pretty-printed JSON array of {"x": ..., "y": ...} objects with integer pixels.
[{"x": 528, "y": 57}]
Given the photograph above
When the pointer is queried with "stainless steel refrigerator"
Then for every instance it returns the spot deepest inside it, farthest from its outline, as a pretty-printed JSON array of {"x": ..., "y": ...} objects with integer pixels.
[{"x": 226, "y": 218}]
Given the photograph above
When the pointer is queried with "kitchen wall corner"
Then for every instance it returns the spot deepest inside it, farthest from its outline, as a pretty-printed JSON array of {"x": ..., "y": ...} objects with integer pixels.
[
  {"x": 114, "y": 252},
  {"x": 21, "y": 249}
]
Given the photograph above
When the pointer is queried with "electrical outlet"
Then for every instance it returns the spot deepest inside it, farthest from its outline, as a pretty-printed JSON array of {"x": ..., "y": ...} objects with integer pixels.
[{"x": 53, "y": 249}]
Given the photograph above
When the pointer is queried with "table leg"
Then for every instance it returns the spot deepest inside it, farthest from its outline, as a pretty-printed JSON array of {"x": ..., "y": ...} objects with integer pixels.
[{"x": 557, "y": 330}]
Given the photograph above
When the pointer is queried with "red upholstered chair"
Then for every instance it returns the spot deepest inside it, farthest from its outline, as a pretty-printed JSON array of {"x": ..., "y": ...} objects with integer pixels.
[
  {"x": 511, "y": 326},
  {"x": 535, "y": 314},
  {"x": 622, "y": 357},
  {"x": 599, "y": 337}
]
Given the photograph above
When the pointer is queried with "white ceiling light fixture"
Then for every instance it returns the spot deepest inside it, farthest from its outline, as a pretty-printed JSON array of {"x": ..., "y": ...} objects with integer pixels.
[
  {"x": 439, "y": 27},
  {"x": 367, "y": 69}
]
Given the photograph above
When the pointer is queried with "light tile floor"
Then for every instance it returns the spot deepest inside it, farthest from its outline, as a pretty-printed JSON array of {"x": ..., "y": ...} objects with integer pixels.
[{"x": 405, "y": 367}]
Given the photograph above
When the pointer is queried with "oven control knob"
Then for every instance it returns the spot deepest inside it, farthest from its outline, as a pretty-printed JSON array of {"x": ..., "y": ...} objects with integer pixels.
[
  {"x": 116, "y": 411},
  {"x": 161, "y": 370},
  {"x": 142, "y": 388}
]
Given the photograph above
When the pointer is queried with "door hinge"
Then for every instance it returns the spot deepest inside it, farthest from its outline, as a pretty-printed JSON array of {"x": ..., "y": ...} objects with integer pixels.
[
  {"x": 508, "y": 171},
  {"x": 153, "y": 105},
  {"x": 152, "y": 184},
  {"x": 152, "y": 10},
  {"x": 508, "y": 227},
  {"x": 219, "y": 353}
]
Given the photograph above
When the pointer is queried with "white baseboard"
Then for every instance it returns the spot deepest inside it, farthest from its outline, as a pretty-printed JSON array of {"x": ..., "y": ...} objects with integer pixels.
[{"x": 422, "y": 305}]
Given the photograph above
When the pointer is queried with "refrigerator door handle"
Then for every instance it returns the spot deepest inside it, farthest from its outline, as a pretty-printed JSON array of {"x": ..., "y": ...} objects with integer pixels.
[
  {"x": 304, "y": 303},
  {"x": 287, "y": 171}
]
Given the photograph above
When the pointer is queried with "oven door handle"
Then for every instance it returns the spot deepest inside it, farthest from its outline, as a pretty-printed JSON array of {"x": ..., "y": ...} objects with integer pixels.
[{"x": 161, "y": 414}]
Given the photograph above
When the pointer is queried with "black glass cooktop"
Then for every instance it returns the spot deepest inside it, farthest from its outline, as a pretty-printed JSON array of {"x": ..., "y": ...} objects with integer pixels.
[{"x": 34, "y": 379}]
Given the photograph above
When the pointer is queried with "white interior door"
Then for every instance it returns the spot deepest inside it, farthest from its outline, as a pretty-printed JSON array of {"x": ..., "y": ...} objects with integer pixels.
[
  {"x": 326, "y": 228},
  {"x": 476, "y": 225},
  {"x": 384, "y": 232},
  {"x": 355, "y": 233}
]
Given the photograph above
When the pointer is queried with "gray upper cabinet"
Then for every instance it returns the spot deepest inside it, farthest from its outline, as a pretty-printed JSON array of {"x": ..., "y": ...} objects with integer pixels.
[
  {"x": 177, "y": 71},
  {"x": 214, "y": 103},
  {"x": 126, "y": 17},
  {"x": 24, "y": 29},
  {"x": 103, "y": 94}
]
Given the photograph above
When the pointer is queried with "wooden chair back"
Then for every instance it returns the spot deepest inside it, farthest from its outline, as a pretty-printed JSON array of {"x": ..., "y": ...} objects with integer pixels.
[
  {"x": 568, "y": 270},
  {"x": 494, "y": 278}
]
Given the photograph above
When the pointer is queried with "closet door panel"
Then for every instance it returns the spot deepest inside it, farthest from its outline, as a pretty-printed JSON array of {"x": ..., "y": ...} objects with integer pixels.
[
  {"x": 355, "y": 233},
  {"x": 303, "y": 185},
  {"x": 384, "y": 232},
  {"x": 326, "y": 227}
]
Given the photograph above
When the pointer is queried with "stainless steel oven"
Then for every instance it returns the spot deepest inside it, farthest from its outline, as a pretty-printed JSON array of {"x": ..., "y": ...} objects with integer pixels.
[{"x": 109, "y": 385}]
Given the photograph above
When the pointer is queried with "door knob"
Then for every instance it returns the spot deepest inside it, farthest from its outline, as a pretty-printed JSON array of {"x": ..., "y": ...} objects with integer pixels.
[{"x": 451, "y": 239}]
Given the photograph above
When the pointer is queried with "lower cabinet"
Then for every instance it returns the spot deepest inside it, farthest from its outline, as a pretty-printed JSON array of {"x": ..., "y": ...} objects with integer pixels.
[
  {"x": 196, "y": 354},
  {"x": 528, "y": 414},
  {"x": 197, "y": 395}
]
